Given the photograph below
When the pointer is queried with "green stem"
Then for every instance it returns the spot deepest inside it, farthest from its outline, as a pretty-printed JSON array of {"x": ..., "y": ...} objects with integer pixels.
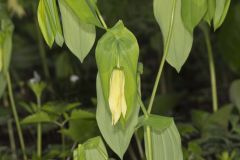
[
  {"x": 149, "y": 143},
  {"x": 139, "y": 145},
  {"x": 211, "y": 68},
  {"x": 15, "y": 115},
  {"x": 63, "y": 141},
  {"x": 101, "y": 18},
  {"x": 12, "y": 139},
  {"x": 143, "y": 107},
  {"x": 132, "y": 153},
  {"x": 166, "y": 50},
  {"x": 39, "y": 131},
  {"x": 148, "y": 130}
]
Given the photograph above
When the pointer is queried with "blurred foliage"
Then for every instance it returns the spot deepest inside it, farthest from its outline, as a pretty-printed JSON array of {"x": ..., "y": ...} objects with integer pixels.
[{"x": 186, "y": 96}]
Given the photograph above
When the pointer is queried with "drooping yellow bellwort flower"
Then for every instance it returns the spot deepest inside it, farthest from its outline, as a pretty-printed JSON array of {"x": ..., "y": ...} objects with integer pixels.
[{"x": 117, "y": 101}]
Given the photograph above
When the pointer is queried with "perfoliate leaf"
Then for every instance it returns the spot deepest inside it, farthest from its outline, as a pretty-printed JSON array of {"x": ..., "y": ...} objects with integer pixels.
[
  {"x": 79, "y": 153},
  {"x": 180, "y": 43},
  {"x": 49, "y": 23},
  {"x": 92, "y": 149},
  {"x": 158, "y": 122},
  {"x": 117, "y": 136},
  {"x": 119, "y": 47},
  {"x": 220, "y": 12},
  {"x": 166, "y": 144},
  {"x": 79, "y": 36},
  {"x": 84, "y": 10},
  {"x": 192, "y": 12}
]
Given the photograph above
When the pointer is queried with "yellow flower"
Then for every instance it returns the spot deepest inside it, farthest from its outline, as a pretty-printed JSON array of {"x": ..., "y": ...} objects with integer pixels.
[{"x": 116, "y": 100}]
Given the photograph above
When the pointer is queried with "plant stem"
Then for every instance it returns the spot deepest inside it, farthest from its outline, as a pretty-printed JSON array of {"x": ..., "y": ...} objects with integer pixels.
[
  {"x": 132, "y": 153},
  {"x": 166, "y": 49},
  {"x": 12, "y": 139},
  {"x": 15, "y": 115},
  {"x": 148, "y": 135},
  {"x": 211, "y": 68},
  {"x": 139, "y": 145},
  {"x": 72, "y": 149},
  {"x": 101, "y": 18},
  {"x": 39, "y": 131},
  {"x": 143, "y": 107},
  {"x": 149, "y": 154},
  {"x": 63, "y": 142}
]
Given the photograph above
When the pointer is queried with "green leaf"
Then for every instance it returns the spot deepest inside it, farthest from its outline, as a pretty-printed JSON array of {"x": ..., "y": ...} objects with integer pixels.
[
  {"x": 120, "y": 43},
  {"x": 192, "y": 12},
  {"x": 220, "y": 12},
  {"x": 6, "y": 31},
  {"x": 82, "y": 125},
  {"x": 228, "y": 39},
  {"x": 166, "y": 144},
  {"x": 49, "y": 23},
  {"x": 79, "y": 36},
  {"x": 235, "y": 93},
  {"x": 204, "y": 121},
  {"x": 199, "y": 118},
  {"x": 37, "y": 87},
  {"x": 158, "y": 122},
  {"x": 235, "y": 123},
  {"x": 30, "y": 108},
  {"x": 195, "y": 148},
  {"x": 217, "y": 117},
  {"x": 79, "y": 153},
  {"x": 84, "y": 10},
  {"x": 39, "y": 117},
  {"x": 58, "y": 108},
  {"x": 93, "y": 149},
  {"x": 187, "y": 129},
  {"x": 81, "y": 114},
  {"x": 117, "y": 136},
  {"x": 180, "y": 42},
  {"x": 210, "y": 11},
  {"x": 3, "y": 84}
]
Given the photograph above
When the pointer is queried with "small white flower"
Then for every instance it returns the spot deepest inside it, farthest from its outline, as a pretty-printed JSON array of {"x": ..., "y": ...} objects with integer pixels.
[
  {"x": 36, "y": 78},
  {"x": 74, "y": 78}
]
